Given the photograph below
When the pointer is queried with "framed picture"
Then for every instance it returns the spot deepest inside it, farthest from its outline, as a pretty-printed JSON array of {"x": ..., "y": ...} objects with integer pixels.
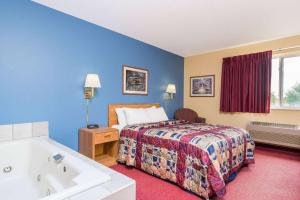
[
  {"x": 135, "y": 81},
  {"x": 202, "y": 86}
]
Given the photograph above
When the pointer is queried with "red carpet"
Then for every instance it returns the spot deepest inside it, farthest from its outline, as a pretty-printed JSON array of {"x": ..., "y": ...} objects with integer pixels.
[{"x": 274, "y": 176}]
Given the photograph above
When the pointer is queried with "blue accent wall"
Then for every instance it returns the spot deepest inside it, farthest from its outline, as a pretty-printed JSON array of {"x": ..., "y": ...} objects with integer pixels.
[{"x": 45, "y": 56}]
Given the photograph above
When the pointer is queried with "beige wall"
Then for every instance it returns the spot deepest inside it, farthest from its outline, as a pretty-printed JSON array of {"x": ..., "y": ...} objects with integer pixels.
[{"x": 211, "y": 63}]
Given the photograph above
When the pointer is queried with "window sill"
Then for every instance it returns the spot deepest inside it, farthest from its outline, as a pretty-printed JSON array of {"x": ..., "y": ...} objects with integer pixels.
[{"x": 286, "y": 108}]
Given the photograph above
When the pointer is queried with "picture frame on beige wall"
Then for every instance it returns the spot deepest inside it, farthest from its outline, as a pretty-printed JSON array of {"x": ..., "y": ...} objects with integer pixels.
[{"x": 202, "y": 86}]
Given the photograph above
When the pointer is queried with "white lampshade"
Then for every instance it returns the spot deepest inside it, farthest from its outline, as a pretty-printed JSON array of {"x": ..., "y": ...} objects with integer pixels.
[
  {"x": 171, "y": 89},
  {"x": 92, "y": 81}
]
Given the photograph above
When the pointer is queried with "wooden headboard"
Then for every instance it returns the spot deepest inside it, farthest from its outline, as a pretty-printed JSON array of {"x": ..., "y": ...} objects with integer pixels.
[{"x": 112, "y": 115}]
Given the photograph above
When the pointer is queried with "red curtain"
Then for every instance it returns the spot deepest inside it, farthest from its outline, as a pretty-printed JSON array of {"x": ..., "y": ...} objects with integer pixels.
[{"x": 246, "y": 83}]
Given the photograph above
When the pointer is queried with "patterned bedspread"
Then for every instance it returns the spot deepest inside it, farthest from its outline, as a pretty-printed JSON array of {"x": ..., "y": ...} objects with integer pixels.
[{"x": 197, "y": 157}]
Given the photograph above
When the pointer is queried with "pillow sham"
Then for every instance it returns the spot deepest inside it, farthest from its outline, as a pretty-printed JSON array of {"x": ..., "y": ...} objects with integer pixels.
[
  {"x": 121, "y": 116},
  {"x": 136, "y": 116},
  {"x": 157, "y": 114}
]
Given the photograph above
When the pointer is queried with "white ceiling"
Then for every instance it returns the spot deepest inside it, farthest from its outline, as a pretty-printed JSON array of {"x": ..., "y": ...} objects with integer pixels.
[{"x": 189, "y": 27}]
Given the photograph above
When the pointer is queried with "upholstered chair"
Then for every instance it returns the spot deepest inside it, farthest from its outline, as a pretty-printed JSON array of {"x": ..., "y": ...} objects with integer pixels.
[{"x": 188, "y": 115}]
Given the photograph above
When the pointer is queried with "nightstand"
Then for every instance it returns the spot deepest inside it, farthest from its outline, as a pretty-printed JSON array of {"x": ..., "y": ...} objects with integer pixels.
[{"x": 100, "y": 144}]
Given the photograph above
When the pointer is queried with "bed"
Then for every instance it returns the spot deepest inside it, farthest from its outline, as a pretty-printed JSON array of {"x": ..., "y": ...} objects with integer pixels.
[{"x": 198, "y": 157}]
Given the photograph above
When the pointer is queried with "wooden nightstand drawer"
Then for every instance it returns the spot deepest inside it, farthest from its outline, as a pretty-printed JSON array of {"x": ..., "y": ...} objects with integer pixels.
[
  {"x": 106, "y": 137},
  {"x": 100, "y": 144}
]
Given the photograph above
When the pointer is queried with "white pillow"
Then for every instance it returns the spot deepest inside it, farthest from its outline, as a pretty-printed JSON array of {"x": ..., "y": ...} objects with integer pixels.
[
  {"x": 121, "y": 116},
  {"x": 136, "y": 116},
  {"x": 157, "y": 114}
]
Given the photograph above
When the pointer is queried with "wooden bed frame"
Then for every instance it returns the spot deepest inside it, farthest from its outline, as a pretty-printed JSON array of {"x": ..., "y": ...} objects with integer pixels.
[{"x": 112, "y": 115}]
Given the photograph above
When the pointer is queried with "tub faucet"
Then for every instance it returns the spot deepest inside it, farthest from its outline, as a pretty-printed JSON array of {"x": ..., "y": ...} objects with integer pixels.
[{"x": 58, "y": 158}]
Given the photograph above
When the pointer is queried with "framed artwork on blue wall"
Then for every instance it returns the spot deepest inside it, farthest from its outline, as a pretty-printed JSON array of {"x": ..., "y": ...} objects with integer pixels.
[{"x": 135, "y": 81}]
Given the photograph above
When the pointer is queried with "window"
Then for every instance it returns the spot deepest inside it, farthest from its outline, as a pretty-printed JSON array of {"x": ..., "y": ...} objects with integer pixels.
[{"x": 285, "y": 86}]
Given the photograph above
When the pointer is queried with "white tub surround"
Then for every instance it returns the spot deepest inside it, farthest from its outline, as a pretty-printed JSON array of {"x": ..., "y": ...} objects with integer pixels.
[
  {"x": 23, "y": 131},
  {"x": 29, "y": 169},
  {"x": 39, "y": 129},
  {"x": 6, "y": 133}
]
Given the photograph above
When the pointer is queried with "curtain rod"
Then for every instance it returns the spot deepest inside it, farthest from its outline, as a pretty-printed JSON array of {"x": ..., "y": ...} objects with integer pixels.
[{"x": 286, "y": 48}]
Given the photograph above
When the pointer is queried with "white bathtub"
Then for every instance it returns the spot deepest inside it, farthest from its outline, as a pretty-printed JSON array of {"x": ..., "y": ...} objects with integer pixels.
[{"x": 28, "y": 171}]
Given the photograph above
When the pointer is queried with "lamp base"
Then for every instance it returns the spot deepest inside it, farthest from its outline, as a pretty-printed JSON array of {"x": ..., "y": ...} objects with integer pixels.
[
  {"x": 92, "y": 126},
  {"x": 88, "y": 93}
]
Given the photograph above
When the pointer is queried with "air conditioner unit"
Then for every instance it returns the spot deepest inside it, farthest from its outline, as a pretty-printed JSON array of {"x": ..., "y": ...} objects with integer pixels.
[{"x": 286, "y": 135}]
